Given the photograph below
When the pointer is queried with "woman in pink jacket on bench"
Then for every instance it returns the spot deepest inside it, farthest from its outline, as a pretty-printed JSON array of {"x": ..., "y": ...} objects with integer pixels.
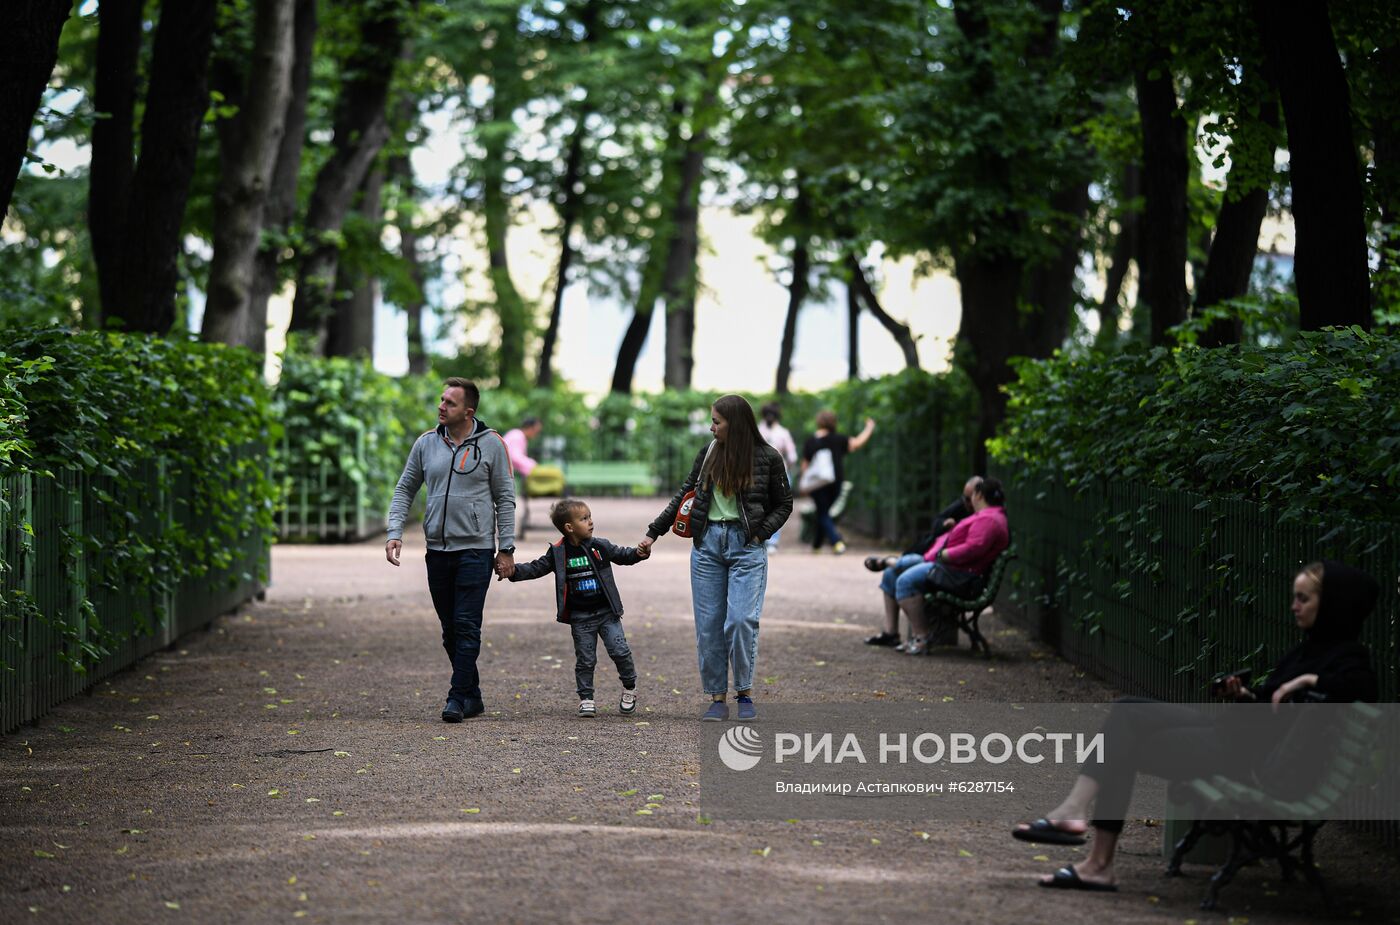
[{"x": 957, "y": 562}]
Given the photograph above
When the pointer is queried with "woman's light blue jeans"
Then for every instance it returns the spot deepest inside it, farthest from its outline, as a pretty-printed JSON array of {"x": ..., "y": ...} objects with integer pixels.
[
  {"x": 728, "y": 578},
  {"x": 906, "y": 578}
]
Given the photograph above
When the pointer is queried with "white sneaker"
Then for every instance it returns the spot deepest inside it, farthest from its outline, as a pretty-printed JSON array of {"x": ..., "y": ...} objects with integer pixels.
[
  {"x": 587, "y": 709},
  {"x": 628, "y": 703}
]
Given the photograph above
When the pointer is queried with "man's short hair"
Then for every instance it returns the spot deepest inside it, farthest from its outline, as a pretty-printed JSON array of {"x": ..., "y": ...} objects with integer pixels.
[
  {"x": 529, "y": 422},
  {"x": 826, "y": 420},
  {"x": 563, "y": 511},
  {"x": 469, "y": 389}
]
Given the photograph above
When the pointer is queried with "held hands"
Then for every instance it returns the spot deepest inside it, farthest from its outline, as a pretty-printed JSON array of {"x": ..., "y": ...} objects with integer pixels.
[
  {"x": 644, "y": 547},
  {"x": 505, "y": 566},
  {"x": 392, "y": 550}
]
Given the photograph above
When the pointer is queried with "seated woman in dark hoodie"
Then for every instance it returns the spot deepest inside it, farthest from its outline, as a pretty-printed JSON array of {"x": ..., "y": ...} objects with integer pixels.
[{"x": 1330, "y": 602}]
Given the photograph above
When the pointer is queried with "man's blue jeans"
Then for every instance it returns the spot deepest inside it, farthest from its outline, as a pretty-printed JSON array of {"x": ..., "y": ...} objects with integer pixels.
[
  {"x": 458, "y": 582},
  {"x": 728, "y": 578},
  {"x": 906, "y": 578}
]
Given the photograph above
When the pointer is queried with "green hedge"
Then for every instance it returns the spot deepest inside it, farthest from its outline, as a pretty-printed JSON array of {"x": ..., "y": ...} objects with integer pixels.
[
  {"x": 105, "y": 411},
  {"x": 1306, "y": 428}
]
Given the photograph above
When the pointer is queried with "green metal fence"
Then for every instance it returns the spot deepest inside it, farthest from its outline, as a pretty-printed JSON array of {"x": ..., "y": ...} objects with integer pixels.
[
  {"x": 905, "y": 474},
  {"x": 54, "y": 570},
  {"x": 1158, "y": 590},
  {"x": 332, "y": 498}
]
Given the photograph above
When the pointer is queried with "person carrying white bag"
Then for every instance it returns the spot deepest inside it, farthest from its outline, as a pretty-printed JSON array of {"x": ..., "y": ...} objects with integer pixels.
[{"x": 823, "y": 456}]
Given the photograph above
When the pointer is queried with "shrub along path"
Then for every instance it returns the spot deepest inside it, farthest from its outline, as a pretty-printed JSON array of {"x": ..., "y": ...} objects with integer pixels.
[{"x": 290, "y": 764}]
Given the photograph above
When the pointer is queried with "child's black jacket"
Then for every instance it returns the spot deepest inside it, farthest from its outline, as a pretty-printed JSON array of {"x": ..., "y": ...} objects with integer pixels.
[{"x": 601, "y": 554}]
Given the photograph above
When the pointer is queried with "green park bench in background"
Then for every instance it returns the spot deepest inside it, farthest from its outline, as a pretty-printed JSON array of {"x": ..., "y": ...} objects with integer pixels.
[
  {"x": 968, "y": 611},
  {"x": 590, "y": 477}
]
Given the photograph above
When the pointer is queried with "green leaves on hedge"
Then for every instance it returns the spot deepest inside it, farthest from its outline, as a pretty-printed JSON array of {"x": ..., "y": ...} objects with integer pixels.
[
  {"x": 1310, "y": 427},
  {"x": 112, "y": 418}
]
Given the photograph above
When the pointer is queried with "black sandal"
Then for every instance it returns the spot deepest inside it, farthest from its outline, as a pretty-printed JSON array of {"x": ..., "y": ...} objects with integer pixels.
[
  {"x": 876, "y": 563},
  {"x": 883, "y": 639}
]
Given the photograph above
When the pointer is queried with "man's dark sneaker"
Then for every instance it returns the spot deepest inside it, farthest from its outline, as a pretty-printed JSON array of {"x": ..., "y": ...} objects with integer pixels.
[
  {"x": 883, "y": 639},
  {"x": 718, "y": 711},
  {"x": 452, "y": 712},
  {"x": 747, "y": 711}
]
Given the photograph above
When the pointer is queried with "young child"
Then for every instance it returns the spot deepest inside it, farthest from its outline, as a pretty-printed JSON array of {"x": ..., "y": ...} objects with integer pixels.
[{"x": 587, "y": 598}]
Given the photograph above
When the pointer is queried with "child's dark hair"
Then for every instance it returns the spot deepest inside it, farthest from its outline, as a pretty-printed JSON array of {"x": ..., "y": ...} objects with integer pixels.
[{"x": 563, "y": 511}]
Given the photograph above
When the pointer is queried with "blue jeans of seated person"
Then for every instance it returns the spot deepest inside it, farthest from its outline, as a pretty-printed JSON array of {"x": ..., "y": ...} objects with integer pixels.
[
  {"x": 458, "y": 581},
  {"x": 728, "y": 578},
  {"x": 587, "y": 628},
  {"x": 906, "y": 578}
]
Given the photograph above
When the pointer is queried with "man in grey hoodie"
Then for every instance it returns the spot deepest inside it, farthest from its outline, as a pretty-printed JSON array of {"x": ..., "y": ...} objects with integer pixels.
[{"x": 470, "y": 515}]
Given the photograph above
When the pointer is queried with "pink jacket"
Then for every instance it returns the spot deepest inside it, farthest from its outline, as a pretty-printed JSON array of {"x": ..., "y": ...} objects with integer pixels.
[
  {"x": 974, "y": 542},
  {"x": 516, "y": 443}
]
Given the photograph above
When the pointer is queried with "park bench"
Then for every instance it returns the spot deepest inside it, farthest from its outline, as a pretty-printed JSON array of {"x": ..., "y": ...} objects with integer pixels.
[
  {"x": 968, "y": 611},
  {"x": 1261, "y": 826},
  {"x": 591, "y": 475}
]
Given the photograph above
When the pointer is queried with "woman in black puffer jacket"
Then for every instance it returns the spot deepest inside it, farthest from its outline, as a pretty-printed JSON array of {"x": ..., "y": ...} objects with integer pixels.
[{"x": 742, "y": 497}]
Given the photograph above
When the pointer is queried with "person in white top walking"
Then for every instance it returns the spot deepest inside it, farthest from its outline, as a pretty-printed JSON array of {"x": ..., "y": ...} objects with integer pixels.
[{"x": 778, "y": 437}]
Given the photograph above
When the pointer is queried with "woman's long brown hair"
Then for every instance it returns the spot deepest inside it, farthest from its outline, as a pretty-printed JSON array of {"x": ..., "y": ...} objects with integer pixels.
[{"x": 732, "y": 469}]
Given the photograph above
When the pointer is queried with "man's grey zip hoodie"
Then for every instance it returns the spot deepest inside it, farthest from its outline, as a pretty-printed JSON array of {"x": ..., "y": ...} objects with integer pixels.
[{"x": 471, "y": 491}]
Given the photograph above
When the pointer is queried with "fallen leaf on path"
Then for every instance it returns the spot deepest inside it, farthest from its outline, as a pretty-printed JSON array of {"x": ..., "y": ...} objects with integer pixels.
[
  {"x": 472, "y": 810},
  {"x": 964, "y": 853},
  {"x": 342, "y": 754},
  {"x": 763, "y": 852},
  {"x": 40, "y": 853}
]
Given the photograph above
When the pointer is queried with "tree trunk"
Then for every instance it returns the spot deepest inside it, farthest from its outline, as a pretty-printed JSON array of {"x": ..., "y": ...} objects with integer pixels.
[
  {"x": 991, "y": 289},
  {"x": 852, "y": 331},
  {"x": 900, "y": 332},
  {"x": 797, "y": 294},
  {"x": 1330, "y": 260},
  {"x": 281, "y": 205},
  {"x": 570, "y": 208},
  {"x": 249, "y": 151},
  {"x": 1125, "y": 248},
  {"x": 635, "y": 337},
  {"x": 1052, "y": 284},
  {"x": 361, "y": 129},
  {"x": 147, "y": 272},
  {"x": 1162, "y": 268},
  {"x": 350, "y": 329},
  {"x": 571, "y": 205},
  {"x": 1230, "y": 262},
  {"x": 402, "y": 170},
  {"x": 654, "y": 267},
  {"x": 29, "y": 31},
  {"x": 113, "y": 139},
  {"x": 679, "y": 281}
]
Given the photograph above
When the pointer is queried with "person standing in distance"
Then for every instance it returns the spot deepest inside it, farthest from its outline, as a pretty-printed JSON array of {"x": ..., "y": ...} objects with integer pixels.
[
  {"x": 780, "y": 439},
  {"x": 469, "y": 525}
]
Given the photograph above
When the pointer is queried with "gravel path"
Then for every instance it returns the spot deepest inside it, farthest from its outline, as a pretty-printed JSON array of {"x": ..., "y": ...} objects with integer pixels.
[{"x": 289, "y": 764}]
